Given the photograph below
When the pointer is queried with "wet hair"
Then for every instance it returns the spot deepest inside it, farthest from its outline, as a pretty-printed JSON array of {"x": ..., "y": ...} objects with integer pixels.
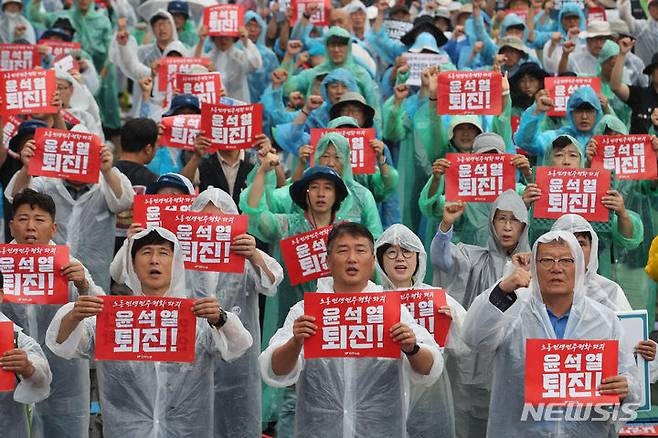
[
  {"x": 351, "y": 229},
  {"x": 138, "y": 133},
  {"x": 586, "y": 234},
  {"x": 561, "y": 142},
  {"x": 152, "y": 238},
  {"x": 35, "y": 200}
]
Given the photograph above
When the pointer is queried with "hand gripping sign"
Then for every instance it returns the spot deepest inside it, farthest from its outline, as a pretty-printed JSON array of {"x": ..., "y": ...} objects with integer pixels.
[
  {"x": 27, "y": 91},
  {"x": 206, "y": 239},
  {"x": 576, "y": 191},
  {"x": 305, "y": 255},
  {"x": 362, "y": 155},
  {"x": 205, "y": 86},
  {"x": 470, "y": 92},
  {"x": 567, "y": 371},
  {"x": 19, "y": 57},
  {"x": 146, "y": 329},
  {"x": 561, "y": 88},
  {"x": 180, "y": 131},
  {"x": 223, "y": 20},
  {"x": 628, "y": 156},
  {"x": 420, "y": 61},
  {"x": 32, "y": 274},
  {"x": 232, "y": 127},
  {"x": 424, "y": 306},
  {"x": 66, "y": 154},
  {"x": 319, "y": 18},
  {"x": 478, "y": 177},
  {"x": 7, "y": 378},
  {"x": 352, "y": 325},
  {"x": 149, "y": 209}
]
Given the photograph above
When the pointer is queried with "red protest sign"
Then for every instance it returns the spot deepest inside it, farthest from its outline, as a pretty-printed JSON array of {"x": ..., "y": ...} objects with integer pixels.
[
  {"x": 32, "y": 273},
  {"x": 478, "y": 177},
  {"x": 352, "y": 325},
  {"x": 470, "y": 92},
  {"x": 305, "y": 255},
  {"x": 205, "y": 86},
  {"x": 629, "y": 156},
  {"x": 576, "y": 191},
  {"x": 232, "y": 127},
  {"x": 521, "y": 13},
  {"x": 146, "y": 329},
  {"x": 560, "y": 88},
  {"x": 223, "y": 20},
  {"x": 362, "y": 155},
  {"x": 9, "y": 129},
  {"x": 69, "y": 118},
  {"x": 19, "y": 57},
  {"x": 424, "y": 305},
  {"x": 66, "y": 154},
  {"x": 206, "y": 239},
  {"x": 65, "y": 63},
  {"x": 180, "y": 131},
  {"x": 7, "y": 378},
  {"x": 596, "y": 13},
  {"x": 27, "y": 91},
  {"x": 169, "y": 66},
  {"x": 58, "y": 48},
  {"x": 319, "y": 18},
  {"x": 147, "y": 209},
  {"x": 567, "y": 371},
  {"x": 639, "y": 430}
]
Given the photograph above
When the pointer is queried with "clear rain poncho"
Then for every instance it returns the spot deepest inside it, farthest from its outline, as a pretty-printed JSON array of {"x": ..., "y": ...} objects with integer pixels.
[
  {"x": 82, "y": 105},
  {"x": 156, "y": 399},
  {"x": 430, "y": 408},
  {"x": 260, "y": 79},
  {"x": 13, "y": 414},
  {"x": 503, "y": 334},
  {"x": 237, "y": 382},
  {"x": 353, "y": 397}
]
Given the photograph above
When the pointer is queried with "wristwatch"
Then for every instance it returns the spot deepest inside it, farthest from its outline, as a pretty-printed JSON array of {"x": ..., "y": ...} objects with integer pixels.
[
  {"x": 223, "y": 316},
  {"x": 415, "y": 350}
]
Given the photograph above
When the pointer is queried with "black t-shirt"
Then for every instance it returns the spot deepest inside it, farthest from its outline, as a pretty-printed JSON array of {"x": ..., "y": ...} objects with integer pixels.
[
  {"x": 7, "y": 171},
  {"x": 642, "y": 101}
]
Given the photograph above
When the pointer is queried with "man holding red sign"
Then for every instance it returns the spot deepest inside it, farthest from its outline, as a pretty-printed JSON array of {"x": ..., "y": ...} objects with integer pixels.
[
  {"x": 544, "y": 298},
  {"x": 375, "y": 386},
  {"x": 155, "y": 269}
]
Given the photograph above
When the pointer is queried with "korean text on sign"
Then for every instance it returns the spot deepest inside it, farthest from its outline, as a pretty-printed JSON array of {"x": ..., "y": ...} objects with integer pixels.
[
  {"x": 32, "y": 273},
  {"x": 352, "y": 325},
  {"x": 232, "y": 127},
  {"x": 561, "y": 88},
  {"x": 628, "y": 156},
  {"x": 420, "y": 61},
  {"x": 58, "y": 48},
  {"x": 362, "y": 155},
  {"x": 223, "y": 20},
  {"x": 169, "y": 66},
  {"x": 396, "y": 28},
  {"x": 206, "y": 239},
  {"x": 27, "y": 91},
  {"x": 563, "y": 371},
  {"x": 19, "y": 57},
  {"x": 576, "y": 191},
  {"x": 424, "y": 305},
  {"x": 470, "y": 92},
  {"x": 205, "y": 86},
  {"x": 319, "y": 18},
  {"x": 7, "y": 378},
  {"x": 66, "y": 154},
  {"x": 305, "y": 255},
  {"x": 180, "y": 131},
  {"x": 478, "y": 177},
  {"x": 148, "y": 209},
  {"x": 9, "y": 129},
  {"x": 146, "y": 329}
]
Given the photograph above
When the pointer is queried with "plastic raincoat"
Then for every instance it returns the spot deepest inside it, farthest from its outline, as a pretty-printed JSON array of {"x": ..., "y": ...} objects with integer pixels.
[
  {"x": 156, "y": 399},
  {"x": 82, "y": 105},
  {"x": 13, "y": 414},
  {"x": 83, "y": 224},
  {"x": 189, "y": 34},
  {"x": 652, "y": 263},
  {"x": 618, "y": 106},
  {"x": 430, "y": 408},
  {"x": 350, "y": 398},
  {"x": 8, "y": 24},
  {"x": 552, "y": 60},
  {"x": 237, "y": 384},
  {"x": 260, "y": 79},
  {"x": 503, "y": 334}
]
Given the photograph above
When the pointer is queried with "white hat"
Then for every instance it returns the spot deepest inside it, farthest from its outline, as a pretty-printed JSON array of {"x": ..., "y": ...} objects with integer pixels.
[
  {"x": 6, "y": 2},
  {"x": 597, "y": 28}
]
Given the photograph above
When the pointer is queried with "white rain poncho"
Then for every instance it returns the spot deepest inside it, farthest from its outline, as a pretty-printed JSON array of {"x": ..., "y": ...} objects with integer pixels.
[
  {"x": 235, "y": 65},
  {"x": 83, "y": 224},
  {"x": 8, "y": 24},
  {"x": 504, "y": 335},
  {"x": 354, "y": 397},
  {"x": 465, "y": 271},
  {"x": 66, "y": 411},
  {"x": 430, "y": 408},
  {"x": 239, "y": 381},
  {"x": 13, "y": 419},
  {"x": 156, "y": 399},
  {"x": 82, "y": 105}
]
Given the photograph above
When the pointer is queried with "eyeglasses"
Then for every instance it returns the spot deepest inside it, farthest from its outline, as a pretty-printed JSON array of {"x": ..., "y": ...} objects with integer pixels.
[
  {"x": 393, "y": 253},
  {"x": 547, "y": 263},
  {"x": 504, "y": 220}
]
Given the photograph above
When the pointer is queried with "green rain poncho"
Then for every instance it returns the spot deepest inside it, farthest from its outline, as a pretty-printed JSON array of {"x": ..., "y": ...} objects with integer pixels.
[
  {"x": 188, "y": 34},
  {"x": 620, "y": 109}
]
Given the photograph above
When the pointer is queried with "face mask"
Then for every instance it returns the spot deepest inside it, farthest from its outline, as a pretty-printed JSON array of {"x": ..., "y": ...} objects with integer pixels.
[{"x": 12, "y": 14}]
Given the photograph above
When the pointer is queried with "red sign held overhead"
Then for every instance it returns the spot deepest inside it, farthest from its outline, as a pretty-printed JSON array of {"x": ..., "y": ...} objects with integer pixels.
[
  {"x": 205, "y": 86},
  {"x": 576, "y": 191},
  {"x": 362, "y": 155},
  {"x": 319, "y": 18},
  {"x": 305, "y": 255},
  {"x": 224, "y": 20},
  {"x": 232, "y": 127},
  {"x": 470, "y": 92},
  {"x": 168, "y": 68},
  {"x": 32, "y": 274},
  {"x": 206, "y": 239},
  {"x": 352, "y": 325},
  {"x": 7, "y": 378},
  {"x": 596, "y": 13},
  {"x": 19, "y": 57},
  {"x": 424, "y": 306},
  {"x": 146, "y": 329},
  {"x": 478, "y": 177},
  {"x": 66, "y": 154},
  {"x": 180, "y": 131},
  {"x": 58, "y": 48},
  {"x": 628, "y": 156},
  {"x": 560, "y": 88},
  {"x": 27, "y": 91},
  {"x": 9, "y": 129},
  {"x": 148, "y": 209},
  {"x": 567, "y": 371}
]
